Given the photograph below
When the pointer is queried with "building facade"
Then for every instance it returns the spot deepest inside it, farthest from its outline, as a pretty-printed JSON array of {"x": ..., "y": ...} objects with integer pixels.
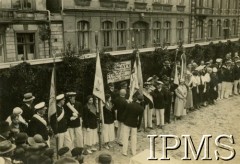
[
  {"x": 122, "y": 25},
  {"x": 36, "y": 29},
  {"x": 214, "y": 20},
  {"x": 25, "y": 31}
]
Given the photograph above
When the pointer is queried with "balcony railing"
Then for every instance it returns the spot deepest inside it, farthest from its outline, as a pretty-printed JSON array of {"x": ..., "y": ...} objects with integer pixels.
[
  {"x": 13, "y": 14},
  {"x": 140, "y": 4},
  {"x": 204, "y": 11},
  {"x": 162, "y": 7},
  {"x": 82, "y": 2}
]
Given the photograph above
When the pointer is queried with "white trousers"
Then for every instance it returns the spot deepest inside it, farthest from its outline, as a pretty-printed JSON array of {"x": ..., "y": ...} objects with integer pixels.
[
  {"x": 160, "y": 116},
  {"x": 76, "y": 135},
  {"x": 148, "y": 117},
  {"x": 64, "y": 139},
  {"x": 133, "y": 133},
  {"x": 219, "y": 90},
  {"x": 119, "y": 132},
  {"x": 108, "y": 132},
  {"x": 226, "y": 89},
  {"x": 236, "y": 87}
]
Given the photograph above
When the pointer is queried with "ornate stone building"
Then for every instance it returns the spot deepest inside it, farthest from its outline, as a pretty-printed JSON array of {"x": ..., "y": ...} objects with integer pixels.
[{"x": 25, "y": 30}]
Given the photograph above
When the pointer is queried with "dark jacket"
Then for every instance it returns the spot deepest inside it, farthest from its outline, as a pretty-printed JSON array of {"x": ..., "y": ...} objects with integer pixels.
[
  {"x": 28, "y": 112},
  {"x": 120, "y": 106},
  {"x": 227, "y": 75},
  {"x": 132, "y": 113},
  {"x": 74, "y": 123},
  {"x": 60, "y": 126},
  {"x": 236, "y": 72},
  {"x": 159, "y": 99},
  {"x": 90, "y": 120},
  {"x": 109, "y": 115},
  {"x": 37, "y": 127}
]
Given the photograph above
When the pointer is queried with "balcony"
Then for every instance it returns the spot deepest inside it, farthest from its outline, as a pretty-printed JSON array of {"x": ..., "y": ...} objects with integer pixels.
[
  {"x": 21, "y": 15},
  {"x": 162, "y": 7},
  {"x": 180, "y": 8},
  {"x": 106, "y": 3},
  {"x": 82, "y": 2},
  {"x": 121, "y": 4},
  {"x": 203, "y": 11},
  {"x": 141, "y": 5}
]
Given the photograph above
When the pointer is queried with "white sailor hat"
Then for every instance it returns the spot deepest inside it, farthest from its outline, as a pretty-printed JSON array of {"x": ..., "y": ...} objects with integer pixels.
[
  {"x": 40, "y": 105},
  {"x": 60, "y": 97},
  {"x": 147, "y": 83},
  {"x": 238, "y": 61},
  {"x": 159, "y": 82},
  {"x": 218, "y": 60},
  {"x": 71, "y": 94},
  {"x": 149, "y": 79}
]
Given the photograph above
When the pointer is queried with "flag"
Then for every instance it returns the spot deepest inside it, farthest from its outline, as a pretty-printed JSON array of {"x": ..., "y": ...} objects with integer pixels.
[
  {"x": 134, "y": 85},
  {"x": 139, "y": 74},
  {"x": 176, "y": 79},
  {"x": 183, "y": 65},
  {"x": 52, "y": 101},
  {"x": 98, "y": 88},
  {"x": 136, "y": 80}
]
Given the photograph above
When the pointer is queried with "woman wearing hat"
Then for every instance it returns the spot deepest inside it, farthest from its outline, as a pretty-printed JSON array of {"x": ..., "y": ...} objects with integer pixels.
[
  {"x": 18, "y": 111},
  {"x": 6, "y": 152},
  {"x": 180, "y": 101},
  {"x": 108, "y": 126},
  {"x": 90, "y": 123}
]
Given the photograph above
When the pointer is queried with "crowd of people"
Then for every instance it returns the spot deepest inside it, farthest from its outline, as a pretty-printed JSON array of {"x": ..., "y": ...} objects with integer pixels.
[{"x": 25, "y": 135}]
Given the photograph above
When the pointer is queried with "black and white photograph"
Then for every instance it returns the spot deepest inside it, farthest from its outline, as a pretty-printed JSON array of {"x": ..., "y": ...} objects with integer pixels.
[{"x": 119, "y": 81}]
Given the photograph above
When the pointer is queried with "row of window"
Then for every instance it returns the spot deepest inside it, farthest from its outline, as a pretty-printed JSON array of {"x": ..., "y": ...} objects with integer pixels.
[
  {"x": 139, "y": 33},
  {"x": 217, "y": 3},
  {"x": 226, "y": 30}
]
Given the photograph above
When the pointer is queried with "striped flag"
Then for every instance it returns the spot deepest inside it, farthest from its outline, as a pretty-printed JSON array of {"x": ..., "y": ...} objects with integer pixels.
[
  {"x": 176, "y": 79},
  {"x": 52, "y": 101}
]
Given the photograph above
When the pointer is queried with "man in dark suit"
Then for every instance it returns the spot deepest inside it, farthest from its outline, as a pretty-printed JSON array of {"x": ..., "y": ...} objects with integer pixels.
[
  {"x": 74, "y": 119},
  {"x": 58, "y": 123},
  {"x": 27, "y": 107},
  {"x": 159, "y": 100},
  {"x": 131, "y": 120},
  {"x": 38, "y": 124},
  {"x": 120, "y": 107}
]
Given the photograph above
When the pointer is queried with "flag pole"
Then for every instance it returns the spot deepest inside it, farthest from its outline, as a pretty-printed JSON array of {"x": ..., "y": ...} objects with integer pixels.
[
  {"x": 54, "y": 69},
  {"x": 99, "y": 100}
]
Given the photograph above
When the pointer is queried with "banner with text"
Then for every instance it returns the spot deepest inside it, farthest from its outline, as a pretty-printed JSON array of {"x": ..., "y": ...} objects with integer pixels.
[{"x": 121, "y": 71}]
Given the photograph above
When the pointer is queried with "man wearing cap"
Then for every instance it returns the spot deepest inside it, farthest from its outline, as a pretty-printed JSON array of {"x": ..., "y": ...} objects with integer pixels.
[
  {"x": 124, "y": 85},
  {"x": 74, "y": 117},
  {"x": 132, "y": 116},
  {"x": 236, "y": 72},
  {"x": 120, "y": 107},
  {"x": 58, "y": 123},
  {"x": 148, "y": 101},
  {"x": 159, "y": 99},
  {"x": 213, "y": 94},
  {"x": 38, "y": 124},
  {"x": 27, "y": 107}
]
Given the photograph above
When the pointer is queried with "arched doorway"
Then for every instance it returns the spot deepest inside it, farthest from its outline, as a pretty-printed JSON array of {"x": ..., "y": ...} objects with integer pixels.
[{"x": 140, "y": 34}]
